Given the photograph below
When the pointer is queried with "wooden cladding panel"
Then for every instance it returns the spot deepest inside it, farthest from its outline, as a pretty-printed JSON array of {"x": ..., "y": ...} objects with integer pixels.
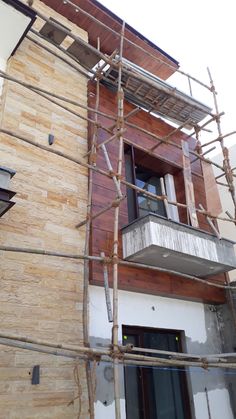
[
  {"x": 132, "y": 279},
  {"x": 110, "y": 41},
  {"x": 213, "y": 203},
  {"x": 149, "y": 282}
]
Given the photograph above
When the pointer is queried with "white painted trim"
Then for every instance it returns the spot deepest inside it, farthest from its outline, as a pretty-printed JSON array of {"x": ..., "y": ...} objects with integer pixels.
[
  {"x": 170, "y": 191},
  {"x": 13, "y": 24}
]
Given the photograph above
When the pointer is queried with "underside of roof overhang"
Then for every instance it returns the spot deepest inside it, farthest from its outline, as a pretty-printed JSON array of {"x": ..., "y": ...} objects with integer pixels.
[{"x": 106, "y": 26}]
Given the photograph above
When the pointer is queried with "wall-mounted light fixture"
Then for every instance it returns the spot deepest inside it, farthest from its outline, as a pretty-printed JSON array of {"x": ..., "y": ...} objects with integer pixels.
[{"x": 5, "y": 194}]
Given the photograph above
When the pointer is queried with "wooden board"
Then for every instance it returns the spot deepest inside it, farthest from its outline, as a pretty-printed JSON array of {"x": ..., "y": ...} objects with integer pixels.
[
  {"x": 142, "y": 280},
  {"x": 212, "y": 193},
  {"x": 189, "y": 189}
]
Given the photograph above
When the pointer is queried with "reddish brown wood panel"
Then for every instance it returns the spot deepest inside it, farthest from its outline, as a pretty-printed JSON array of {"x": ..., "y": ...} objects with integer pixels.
[
  {"x": 110, "y": 41},
  {"x": 213, "y": 203},
  {"x": 149, "y": 282},
  {"x": 143, "y": 280}
]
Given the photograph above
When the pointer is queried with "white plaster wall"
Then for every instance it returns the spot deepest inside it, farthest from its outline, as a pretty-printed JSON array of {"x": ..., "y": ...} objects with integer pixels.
[
  {"x": 108, "y": 412},
  {"x": 219, "y": 405},
  {"x": 12, "y": 26},
  {"x": 147, "y": 311},
  {"x": 160, "y": 312},
  {"x": 227, "y": 229}
]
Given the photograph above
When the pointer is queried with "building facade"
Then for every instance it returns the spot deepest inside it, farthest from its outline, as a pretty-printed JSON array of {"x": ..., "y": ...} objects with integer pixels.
[
  {"x": 61, "y": 130},
  {"x": 227, "y": 203}
]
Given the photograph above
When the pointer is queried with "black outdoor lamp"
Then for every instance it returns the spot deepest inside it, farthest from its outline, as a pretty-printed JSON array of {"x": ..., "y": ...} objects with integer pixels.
[{"x": 5, "y": 194}]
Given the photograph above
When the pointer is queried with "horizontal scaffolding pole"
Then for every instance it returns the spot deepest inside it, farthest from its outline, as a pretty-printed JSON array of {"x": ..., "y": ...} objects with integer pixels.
[
  {"x": 164, "y": 141},
  {"x": 113, "y": 204},
  {"x": 204, "y": 154},
  {"x": 37, "y": 89},
  {"x": 110, "y": 175},
  {"x": 152, "y": 154},
  {"x": 44, "y": 93},
  {"x": 36, "y": 348},
  {"x": 124, "y": 354},
  {"x": 179, "y": 355},
  {"x": 117, "y": 34},
  {"x": 63, "y": 50},
  {"x": 218, "y": 139},
  {"x": 202, "y": 126},
  {"x": 173, "y": 132},
  {"x": 71, "y": 35},
  {"x": 109, "y": 261},
  {"x": 39, "y": 44}
]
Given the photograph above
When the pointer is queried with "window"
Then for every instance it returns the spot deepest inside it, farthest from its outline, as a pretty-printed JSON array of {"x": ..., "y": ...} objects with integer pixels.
[
  {"x": 146, "y": 173},
  {"x": 148, "y": 181},
  {"x": 159, "y": 392}
]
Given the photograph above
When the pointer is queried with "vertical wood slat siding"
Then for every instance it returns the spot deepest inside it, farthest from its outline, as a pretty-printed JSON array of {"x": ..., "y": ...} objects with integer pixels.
[{"x": 141, "y": 280}]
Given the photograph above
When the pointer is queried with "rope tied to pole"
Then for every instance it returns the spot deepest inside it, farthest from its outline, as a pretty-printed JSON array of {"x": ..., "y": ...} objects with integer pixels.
[
  {"x": 198, "y": 147},
  {"x": 93, "y": 158},
  {"x": 228, "y": 170},
  {"x": 115, "y": 203},
  {"x": 79, "y": 395},
  {"x": 117, "y": 354},
  {"x": 205, "y": 365}
]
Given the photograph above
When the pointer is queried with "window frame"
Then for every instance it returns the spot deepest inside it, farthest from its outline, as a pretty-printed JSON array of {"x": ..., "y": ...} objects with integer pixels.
[
  {"x": 139, "y": 332},
  {"x": 132, "y": 194}
]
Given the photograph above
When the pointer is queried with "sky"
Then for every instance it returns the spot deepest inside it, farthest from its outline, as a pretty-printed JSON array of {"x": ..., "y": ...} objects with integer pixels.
[{"x": 198, "y": 34}]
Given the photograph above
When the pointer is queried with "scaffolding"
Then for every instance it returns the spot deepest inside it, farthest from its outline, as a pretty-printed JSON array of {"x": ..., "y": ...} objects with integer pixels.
[{"x": 129, "y": 82}]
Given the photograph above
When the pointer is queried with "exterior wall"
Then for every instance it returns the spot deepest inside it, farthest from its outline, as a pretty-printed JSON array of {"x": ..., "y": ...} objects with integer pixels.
[
  {"x": 41, "y": 296},
  {"x": 227, "y": 229},
  {"x": 227, "y": 312},
  {"x": 2, "y": 68},
  {"x": 227, "y": 321},
  {"x": 159, "y": 312},
  {"x": 132, "y": 279}
]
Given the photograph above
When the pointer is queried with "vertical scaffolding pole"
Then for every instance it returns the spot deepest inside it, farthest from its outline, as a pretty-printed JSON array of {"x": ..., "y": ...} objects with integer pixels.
[
  {"x": 226, "y": 162},
  {"x": 230, "y": 181},
  {"x": 120, "y": 123},
  {"x": 92, "y": 160}
]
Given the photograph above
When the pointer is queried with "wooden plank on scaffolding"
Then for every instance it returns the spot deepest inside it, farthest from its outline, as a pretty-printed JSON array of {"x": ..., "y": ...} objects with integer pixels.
[
  {"x": 188, "y": 183},
  {"x": 107, "y": 291},
  {"x": 211, "y": 224},
  {"x": 83, "y": 54},
  {"x": 212, "y": 193}
]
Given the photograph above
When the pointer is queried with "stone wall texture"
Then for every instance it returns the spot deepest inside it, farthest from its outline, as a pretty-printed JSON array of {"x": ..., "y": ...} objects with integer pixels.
[{"x": 41, "y": 296}]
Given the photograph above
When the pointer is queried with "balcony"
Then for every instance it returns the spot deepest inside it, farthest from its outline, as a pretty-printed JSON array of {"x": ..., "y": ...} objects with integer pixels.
[{"x": 157, "y": 241}]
